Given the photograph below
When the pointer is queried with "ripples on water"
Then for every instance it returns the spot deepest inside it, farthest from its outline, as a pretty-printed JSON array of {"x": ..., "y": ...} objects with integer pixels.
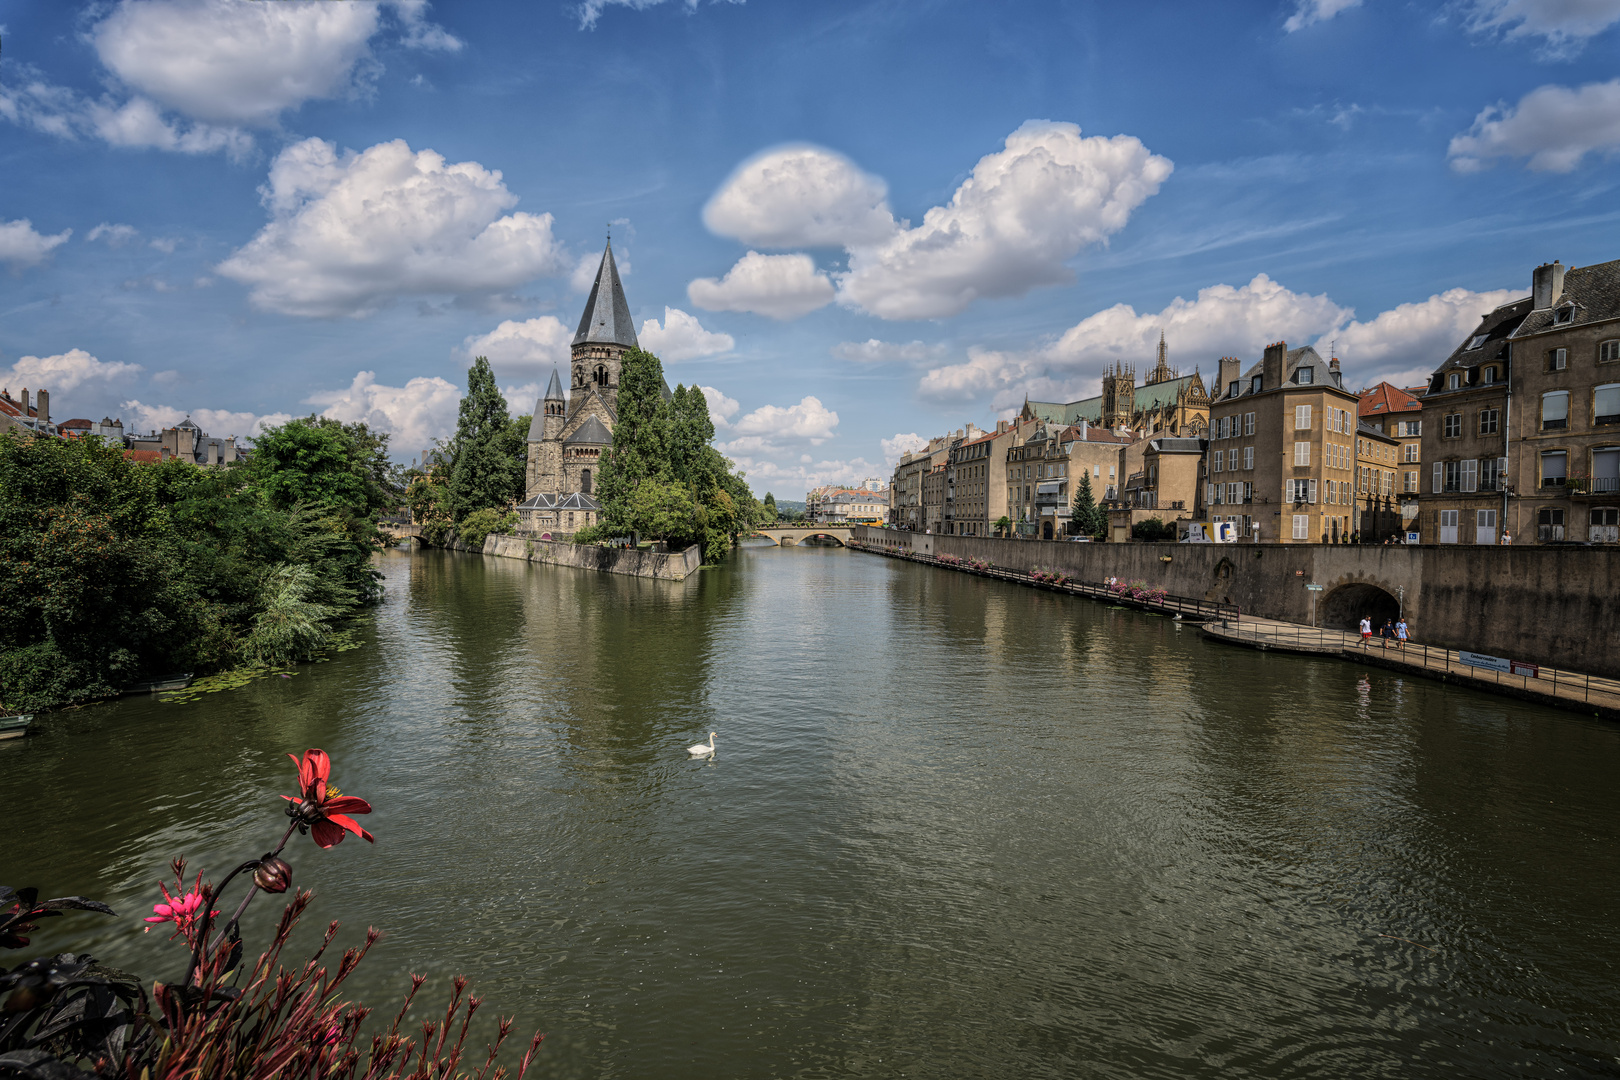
[{"x": 953, "y": 828}]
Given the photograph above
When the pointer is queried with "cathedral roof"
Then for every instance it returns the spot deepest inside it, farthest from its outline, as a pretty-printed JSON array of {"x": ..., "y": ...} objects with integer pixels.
[
  {"x": 554, "y": 390},
  {"x": 607, "y": 313},
  {"x": 591, "y": 433},
  {"x": 537, "y": 423}
]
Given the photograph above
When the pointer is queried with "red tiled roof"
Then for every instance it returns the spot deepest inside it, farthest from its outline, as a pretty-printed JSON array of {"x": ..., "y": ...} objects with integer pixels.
[
  {"x": 1093, "y": 434},
  {"x": 148, "y": 457},
  {"x": 1387, "y": 398},
  {"x": 77, "y": 423}
]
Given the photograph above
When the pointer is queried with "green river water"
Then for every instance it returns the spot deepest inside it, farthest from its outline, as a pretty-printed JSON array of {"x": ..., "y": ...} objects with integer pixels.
[{"x": 954, "y": 828}]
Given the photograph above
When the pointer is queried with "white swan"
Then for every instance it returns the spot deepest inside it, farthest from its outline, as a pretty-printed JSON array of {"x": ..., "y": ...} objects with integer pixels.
[{"x": 702, "y": 749}]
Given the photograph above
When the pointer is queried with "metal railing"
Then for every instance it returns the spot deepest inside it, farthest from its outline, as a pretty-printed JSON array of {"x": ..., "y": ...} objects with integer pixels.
[{"x": 1558, "y": 683}]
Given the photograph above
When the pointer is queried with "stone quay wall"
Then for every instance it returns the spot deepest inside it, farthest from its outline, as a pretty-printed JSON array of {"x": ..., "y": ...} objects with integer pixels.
[
  {"x": 1552, "y": 606},
  {"x": 673, "y": 566}
]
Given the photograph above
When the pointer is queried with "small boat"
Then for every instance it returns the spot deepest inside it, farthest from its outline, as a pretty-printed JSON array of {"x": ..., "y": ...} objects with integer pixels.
[
  {"x": 15, "y": 727},
  {"x": 158, "y": 686}
]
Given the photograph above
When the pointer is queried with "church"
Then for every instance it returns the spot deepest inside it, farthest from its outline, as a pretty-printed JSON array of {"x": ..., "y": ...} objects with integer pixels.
[
  {"x": 569, "y": 434},
  {"x": 1167, "y": 403}
]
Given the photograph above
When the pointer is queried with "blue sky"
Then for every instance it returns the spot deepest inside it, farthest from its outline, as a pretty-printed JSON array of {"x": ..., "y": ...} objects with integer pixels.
[{"x": 854, "y": 223}]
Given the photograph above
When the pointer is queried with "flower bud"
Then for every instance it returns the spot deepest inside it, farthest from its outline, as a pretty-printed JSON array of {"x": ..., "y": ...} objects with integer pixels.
[{"x": 273, "y": 875}]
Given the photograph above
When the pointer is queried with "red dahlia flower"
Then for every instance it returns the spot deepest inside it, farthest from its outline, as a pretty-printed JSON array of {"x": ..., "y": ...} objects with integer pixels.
[{"x": 321, "y": 806}]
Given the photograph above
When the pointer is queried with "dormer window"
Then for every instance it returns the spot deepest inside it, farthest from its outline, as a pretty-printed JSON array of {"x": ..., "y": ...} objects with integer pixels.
[
  {"x": 1564, "y": 314},
  {"x": 1476, "y": 341},
  {"x": 1304, "y": 376},
  {"x": 1232, "y": 389},
  {"x": 1254, "y": 385},
  {"x": 1454, "y": 380},
  {"x": 1489, "y": 376}
]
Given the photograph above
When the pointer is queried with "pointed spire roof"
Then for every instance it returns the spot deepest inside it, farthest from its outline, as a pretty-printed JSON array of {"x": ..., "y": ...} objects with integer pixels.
[
  {"x": 607, "y": 314},
  {"x": 554, "y": 390}
]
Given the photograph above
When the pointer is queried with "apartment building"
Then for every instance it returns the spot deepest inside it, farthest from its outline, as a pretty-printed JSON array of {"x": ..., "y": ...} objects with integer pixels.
[
  {"x": 1398, "y": 412},
  {"x": 1165, "y": 486},
  {"x": 1378, "y": 508},
  {"x": 1281, "y": 461},
  {"x": 1564, "y": 424},
  {"x": 1044, "y": 468},
  {"x": 1465, "y": 441},
  {"x": 976, "y": 482}
]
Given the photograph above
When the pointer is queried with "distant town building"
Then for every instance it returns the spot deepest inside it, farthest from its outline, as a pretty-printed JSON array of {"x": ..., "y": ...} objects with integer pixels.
[
  {"x": 1164, "y": 486},
  {"x": 1043, "y": 470},
  {"x": 1398, "y": 412},
  {"x": 19, "y": 414},
  {"x": 1167, "y": 402},
  {"x": 187, "y": 442}
]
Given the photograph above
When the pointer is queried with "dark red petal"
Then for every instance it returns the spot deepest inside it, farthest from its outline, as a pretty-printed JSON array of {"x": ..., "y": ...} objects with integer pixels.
[
  {"x": 326, "y": 834},
  {"x": 321, "y": 764},
  {"x": 348, "y": 823},
  {"x": 346, "y": 804},
  {"x": 303, "y": 772}
]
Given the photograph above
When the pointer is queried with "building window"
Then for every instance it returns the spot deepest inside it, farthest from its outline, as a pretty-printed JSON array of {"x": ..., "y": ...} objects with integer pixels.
[
  {"x": 1409, "y": 452},
  {"x": 1302, "y": 526},
  {"x": 1448, "y": 526},
  {"x": 1489, "y": 376},
  {"x": 1219, "y": 457},
  {"x": 1304, "y": 376},
  {"x": 1488, "y": 420},
  {"x": 1550, "y": 524},
  {"x": 1302, "y": 454},
  {"x": 1606, "y": 469},
  {"x": 1254, "y": 385},
  {"x": 1608, "y": 351},
  {"x": 1606, "y": 404},
  {"x": 1476, "y": 341},
  {"x": 1564, "y": 314},
  {"x": 1453, "y": 425},
  {"x": 1555, "y": 410},
  {"x": 1453, "y": 381},
  {"x": 1302, "y": 417},
  {"x": 1492, "y": 473},
  {"x": 1605, "y": 525},
  {"x": 1554, "y": 468},
  {"x": 1232, "y": 389},
  {"x": 1557, "y": 359},
  {"x": 1411, "y": 484},
  {"x": 1248, "y": 457},
  {"x": 1248, "y": 423}
]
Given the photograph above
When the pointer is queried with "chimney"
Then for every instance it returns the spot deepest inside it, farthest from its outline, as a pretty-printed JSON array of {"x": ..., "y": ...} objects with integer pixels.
[
  {"x": 43, "y": 398},
  {"x": 1084, "y": 427},
  {"x": 1546, "y": 286},
  {"x": 24, "y": 401},
  {"x": 1231, "y": 369},
  {"x": 1272, "y": 364}
]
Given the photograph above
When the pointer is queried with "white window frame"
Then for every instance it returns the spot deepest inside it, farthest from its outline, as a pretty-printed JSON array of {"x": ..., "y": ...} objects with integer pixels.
[
  {"x": 1248, "y": 423},
  {"x": 1302, "y": 417},
  {"x": 1302, "y": 455},
  {"x": 1248, "y": 457},
  {"x": 1302, "y": 527},
  {"x": 1220, "y": 458},
  {"x": 1470, "y": 475}
]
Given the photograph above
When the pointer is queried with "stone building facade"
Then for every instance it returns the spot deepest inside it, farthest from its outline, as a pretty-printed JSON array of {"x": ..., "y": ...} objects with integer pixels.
[
  {"x": 569, "y": 434},
  {"x": 1398, "y": 412}
]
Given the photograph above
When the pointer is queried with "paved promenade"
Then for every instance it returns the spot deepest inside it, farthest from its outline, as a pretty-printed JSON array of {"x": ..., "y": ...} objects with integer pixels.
[{"x": 1550, "y": 686}]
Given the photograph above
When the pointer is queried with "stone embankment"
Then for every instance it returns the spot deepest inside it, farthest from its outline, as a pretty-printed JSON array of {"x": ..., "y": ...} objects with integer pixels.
[
  {"x": 671, "y": 566},
  {"x": 1554, "y": 607}
]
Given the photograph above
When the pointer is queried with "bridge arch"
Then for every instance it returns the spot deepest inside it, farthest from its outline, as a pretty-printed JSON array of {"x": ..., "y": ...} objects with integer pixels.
[{"x": 1345, "y": 605}]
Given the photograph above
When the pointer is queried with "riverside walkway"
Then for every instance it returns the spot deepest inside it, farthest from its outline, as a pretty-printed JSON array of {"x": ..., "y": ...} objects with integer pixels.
[{"x": 1548, "y": 686}]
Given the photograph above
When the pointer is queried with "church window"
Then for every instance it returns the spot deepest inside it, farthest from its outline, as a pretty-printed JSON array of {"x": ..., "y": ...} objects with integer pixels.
[
  {"x": 585, "y": 481},
  {"x": 579, "y": 375}
]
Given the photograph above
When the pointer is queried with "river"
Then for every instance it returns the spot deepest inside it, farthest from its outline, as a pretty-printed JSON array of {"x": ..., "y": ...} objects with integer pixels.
[{"x": 954, "y": 827}]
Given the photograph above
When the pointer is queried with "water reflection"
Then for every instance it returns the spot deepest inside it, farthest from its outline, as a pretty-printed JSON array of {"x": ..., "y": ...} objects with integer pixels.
[{"x": 952, "y": 827}]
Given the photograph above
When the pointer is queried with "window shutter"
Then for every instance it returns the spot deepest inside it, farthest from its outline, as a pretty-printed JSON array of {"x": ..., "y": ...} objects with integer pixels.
[
  {"x": 1501, "y": 473},
  {"x": 1312, "y": 497},
  {"x": 1439, "y": 477},
  {"x": 1470, "y": 475}
]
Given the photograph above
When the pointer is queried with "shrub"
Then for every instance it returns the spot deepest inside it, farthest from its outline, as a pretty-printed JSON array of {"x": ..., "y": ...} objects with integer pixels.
[{"x": 480, "y": 523}]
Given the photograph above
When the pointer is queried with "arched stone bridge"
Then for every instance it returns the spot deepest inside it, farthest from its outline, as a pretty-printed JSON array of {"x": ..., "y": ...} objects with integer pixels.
[{"x": 792, "y": 535}]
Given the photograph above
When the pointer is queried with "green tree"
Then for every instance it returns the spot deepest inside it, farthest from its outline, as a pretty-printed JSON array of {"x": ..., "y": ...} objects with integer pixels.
[
  {"x": 1088, "y": 518},
  {"x": 1152, "y": 530},
  {"x": 1003, "y": 526},
  {"x": 770, "y": 507},
  {"x": 485, "y": 469}
]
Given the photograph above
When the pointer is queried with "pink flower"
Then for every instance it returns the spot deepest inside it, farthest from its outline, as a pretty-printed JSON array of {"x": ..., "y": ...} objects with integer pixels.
[{"x": 184, "y": 912}]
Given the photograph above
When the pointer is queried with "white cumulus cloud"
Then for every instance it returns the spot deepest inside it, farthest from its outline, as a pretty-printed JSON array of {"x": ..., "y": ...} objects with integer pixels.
[
  {"x": 721, "y": 408},
  {"x": 773, "y": 429},
  {"x": 21, "y": 245},
  {"x": 1554, "y": 126},
  {"x": 65, "y": 371},
  {"x": 873, "y": 351},
  {"x": 801, "y": 196},
  {"x": 1564, "y": 25},
  {"x": 1407, "y": 342},
  {"x": 1011, "y": 226},
  {"x": 140, "y": 417},
  {"x": 115, "y": 235},
  {"x": 414, "y": 415},
  {"x": 1315, "y": 11},
  {"x": 780, "y": 286},
  {"x": 350, "y": 233},
  {"x": 517, "y": 348},
  {"x": 899, "y": 446},
  {"x": 682, "y": 337}
]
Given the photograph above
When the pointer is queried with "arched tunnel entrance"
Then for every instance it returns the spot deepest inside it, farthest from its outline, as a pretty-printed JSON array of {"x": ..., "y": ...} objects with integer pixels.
[
  {"x": 821, "y": 540},
  {"x": 1347, "y": 605}
]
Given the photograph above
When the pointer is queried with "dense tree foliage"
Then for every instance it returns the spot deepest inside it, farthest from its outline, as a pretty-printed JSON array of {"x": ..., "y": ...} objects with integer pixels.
[
  {"x": 1153, "y": 530},
  {"x": 113, "y": 571},
  {"x": 485, "y": 455},
  {"x": 771, "y": 513},
  {"x": 663, "y": 479},
  {"x": 1088, "y": 518}
]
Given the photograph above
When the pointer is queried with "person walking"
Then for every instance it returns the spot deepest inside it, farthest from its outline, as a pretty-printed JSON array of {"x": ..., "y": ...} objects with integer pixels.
[
  {"x": 1366, "y": 630},
  {"x": 1400, "y": 633},
  {"x": 1386, "y": 633}
]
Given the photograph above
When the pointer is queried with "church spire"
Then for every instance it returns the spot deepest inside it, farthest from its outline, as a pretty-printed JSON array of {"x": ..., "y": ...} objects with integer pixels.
[{"x": 607, "y": 314}]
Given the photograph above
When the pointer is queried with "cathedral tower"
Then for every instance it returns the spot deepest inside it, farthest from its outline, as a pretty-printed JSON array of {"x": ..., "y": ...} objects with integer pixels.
[
  {"x": 544, "y": 465},
  {"x": 605, "y": 332},
  {"x": 1119, "y": 396},
  {"x": 1162, "y": 371}
]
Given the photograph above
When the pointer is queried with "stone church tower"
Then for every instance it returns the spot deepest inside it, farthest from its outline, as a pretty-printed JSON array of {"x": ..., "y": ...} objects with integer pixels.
[
  {"x": 1119, "y": 396},
  {"x": 567, "y": 436}
]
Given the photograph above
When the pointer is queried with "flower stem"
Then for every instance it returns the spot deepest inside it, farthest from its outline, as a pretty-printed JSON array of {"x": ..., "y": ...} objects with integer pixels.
[{"x": 207, "y": 919}]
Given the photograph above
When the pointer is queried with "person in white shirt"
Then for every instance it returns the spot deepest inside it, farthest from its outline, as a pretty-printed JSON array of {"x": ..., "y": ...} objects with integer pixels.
[{"x": 1366, "y": 630}]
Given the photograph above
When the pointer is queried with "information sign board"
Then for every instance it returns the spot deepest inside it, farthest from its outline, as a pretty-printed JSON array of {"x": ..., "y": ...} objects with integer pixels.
[{"x": 1474, "y": 659}]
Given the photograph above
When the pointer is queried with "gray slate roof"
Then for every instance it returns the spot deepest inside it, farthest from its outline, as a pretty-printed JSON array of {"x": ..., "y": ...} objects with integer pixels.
[
  {"x": 1595, "y": 291},
  {"x": 554, "y": 390},
  {"x": 607, "y": 313},
  {"x": 1178, "y": 446},
  {"x": 591, "y": 433},
  {"x": 572, "y": 501},
  {"x": 1498, "y": 327},
  {"x": 1303, "y": 357}
]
